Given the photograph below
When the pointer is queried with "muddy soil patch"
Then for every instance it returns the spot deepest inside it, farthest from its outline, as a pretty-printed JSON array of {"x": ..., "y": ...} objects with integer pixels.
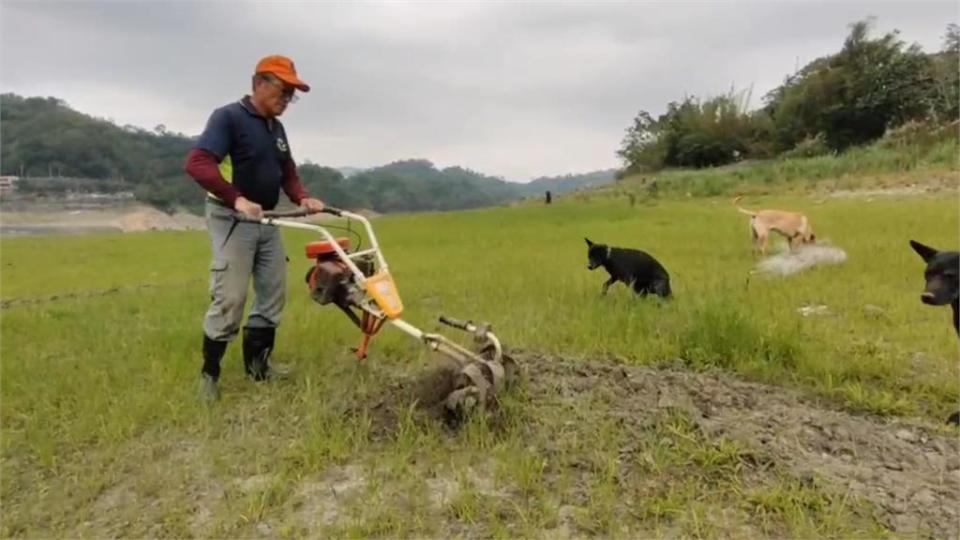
[
  {"x": 908, "y": 470},
  {"x": 422, "y": 398}
]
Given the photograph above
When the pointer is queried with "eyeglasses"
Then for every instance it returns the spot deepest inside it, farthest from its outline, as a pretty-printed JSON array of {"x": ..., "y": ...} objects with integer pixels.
[{"x": 287, "y": 91}]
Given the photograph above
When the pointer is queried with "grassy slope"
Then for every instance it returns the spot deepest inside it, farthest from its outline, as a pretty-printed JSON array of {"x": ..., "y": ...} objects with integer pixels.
[{"x": 911, "y": 155}]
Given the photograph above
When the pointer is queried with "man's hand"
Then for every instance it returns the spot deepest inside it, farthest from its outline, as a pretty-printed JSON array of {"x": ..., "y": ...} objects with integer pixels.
[
  {"x": 248, "y": 208},
  {"x": 311, "y": 204}
]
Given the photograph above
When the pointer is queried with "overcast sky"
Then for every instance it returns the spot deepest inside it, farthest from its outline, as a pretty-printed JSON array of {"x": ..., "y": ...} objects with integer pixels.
[{"x": 517, "y": 90}]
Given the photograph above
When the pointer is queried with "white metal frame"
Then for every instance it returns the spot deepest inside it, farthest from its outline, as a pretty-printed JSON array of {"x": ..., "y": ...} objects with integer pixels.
[
  {"x": 344, "y": 256},
  {"x": 436, "y": 342}
]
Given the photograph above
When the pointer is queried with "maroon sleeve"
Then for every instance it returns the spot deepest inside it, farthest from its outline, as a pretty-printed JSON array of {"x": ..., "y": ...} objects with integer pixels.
[
  {"x": 291, "y": 183},
  {"x": 203, "y": 167}
]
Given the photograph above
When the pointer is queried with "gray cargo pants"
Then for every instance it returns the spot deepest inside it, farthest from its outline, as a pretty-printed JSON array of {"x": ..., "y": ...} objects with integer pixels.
[{"x": 251, "y": 249}]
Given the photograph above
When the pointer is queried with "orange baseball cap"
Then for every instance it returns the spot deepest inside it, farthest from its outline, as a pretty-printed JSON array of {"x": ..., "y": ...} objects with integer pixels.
[{"x": 282, "y": 67}]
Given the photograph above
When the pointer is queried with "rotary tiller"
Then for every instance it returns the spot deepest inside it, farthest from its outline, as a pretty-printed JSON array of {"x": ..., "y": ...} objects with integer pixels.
[{"x": 360, "y": 284}]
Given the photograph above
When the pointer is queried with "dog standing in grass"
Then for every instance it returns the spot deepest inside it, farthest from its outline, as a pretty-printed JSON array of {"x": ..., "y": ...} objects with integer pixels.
[
  {"x": 794, "y": 226},
  {"x": 942, "y": 276},
  {"x": 634, "y": 268},
  {"x": 942, "y": 279}
]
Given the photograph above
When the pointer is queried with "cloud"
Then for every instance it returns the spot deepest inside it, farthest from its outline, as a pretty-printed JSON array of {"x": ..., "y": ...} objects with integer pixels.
[{"x": 511, "y": 89}]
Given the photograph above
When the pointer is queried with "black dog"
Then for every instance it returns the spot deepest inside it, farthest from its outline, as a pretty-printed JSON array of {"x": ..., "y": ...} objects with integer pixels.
[
  {"x": 633, "y": 267},
  {"x": 941, "y": 274}
]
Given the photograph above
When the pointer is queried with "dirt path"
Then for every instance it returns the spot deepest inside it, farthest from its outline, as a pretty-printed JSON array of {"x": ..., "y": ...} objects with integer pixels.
[{"x": 123, "y": 218}]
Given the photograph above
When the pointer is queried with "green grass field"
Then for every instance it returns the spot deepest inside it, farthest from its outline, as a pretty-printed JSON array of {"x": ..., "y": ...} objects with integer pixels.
[{"x": 103, "y": 433}]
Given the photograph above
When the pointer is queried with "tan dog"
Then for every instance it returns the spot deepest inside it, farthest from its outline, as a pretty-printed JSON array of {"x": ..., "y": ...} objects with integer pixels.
[{"x": 792, "y": 225}]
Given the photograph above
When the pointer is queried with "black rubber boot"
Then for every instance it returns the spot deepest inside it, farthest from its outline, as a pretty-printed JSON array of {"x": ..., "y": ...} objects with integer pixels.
[
  {"x": 212, "y": 354},
  {"x": 257, "y": 346}
]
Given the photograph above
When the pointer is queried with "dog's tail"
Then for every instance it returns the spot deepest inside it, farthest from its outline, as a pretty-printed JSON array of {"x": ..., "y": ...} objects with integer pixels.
[{"x": 742, "y": 210}]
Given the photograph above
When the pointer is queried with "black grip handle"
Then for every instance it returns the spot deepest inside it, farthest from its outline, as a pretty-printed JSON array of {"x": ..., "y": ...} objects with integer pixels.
[
  {"x": 456, "y": 323},
  {"x": 300, "y": 212},
  {"x": 290, "y": 213}
]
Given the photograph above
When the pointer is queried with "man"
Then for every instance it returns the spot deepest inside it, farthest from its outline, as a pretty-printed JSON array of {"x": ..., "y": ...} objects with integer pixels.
[{"x": 243, "y": 161}]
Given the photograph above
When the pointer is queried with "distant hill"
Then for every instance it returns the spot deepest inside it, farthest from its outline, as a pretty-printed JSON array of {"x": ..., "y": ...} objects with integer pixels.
[
  {"x": 407, "y": 186},
  {"x": 417, "y": 184},
  {"x": 570, "y": 182},
  {"x": 42, "y": 137}
]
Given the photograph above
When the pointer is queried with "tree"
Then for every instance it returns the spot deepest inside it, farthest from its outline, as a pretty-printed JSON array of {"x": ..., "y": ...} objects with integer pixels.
[
  {"x": 641, "y": 148},
  {"x": 694, "y": 133},
  {"x": 946, "y": 77},
  {"x": 855, "y": 95}
]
